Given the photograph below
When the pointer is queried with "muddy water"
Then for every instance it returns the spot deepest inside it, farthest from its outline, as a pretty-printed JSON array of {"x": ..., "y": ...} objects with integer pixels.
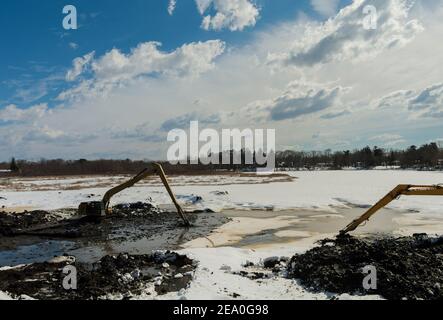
[
  {"x": 262, "y": 229},
  {"x": 139, "y": 235},
  {"x": 244, "y": 229}
]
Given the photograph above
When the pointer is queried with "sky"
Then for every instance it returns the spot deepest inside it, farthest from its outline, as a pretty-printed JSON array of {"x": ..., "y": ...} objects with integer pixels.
[{"x": 132, "y": 71}]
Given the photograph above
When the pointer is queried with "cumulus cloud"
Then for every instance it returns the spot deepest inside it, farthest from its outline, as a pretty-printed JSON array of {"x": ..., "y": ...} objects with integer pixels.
[
  {"x": 46, "y": 134},
  {"x": 300, "y": 99},
  {"x": 325, "y": 7},
  {"x": 143, "y": 132},
  {"x": 78, "y": 66},
  {"x": 116, "y": 68},
  {"x": 388, "y": 139},
  {"x": 183, "y": 121},
  {"x": 12, "y": 113},
  {"x": 344, "y": 37},
  {"x": 146, "y": 99},
  {"x": 336, "y": 114},
  {"x": 426, "y": 103},
  {"x": 234, "y": 15}
]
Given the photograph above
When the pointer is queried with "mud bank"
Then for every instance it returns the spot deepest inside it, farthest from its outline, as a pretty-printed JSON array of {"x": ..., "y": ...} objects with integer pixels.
[
  {"x": 407, "y": 267},
  {"x": 136, "y": 228},
  {"x": 113, "y": 277}
]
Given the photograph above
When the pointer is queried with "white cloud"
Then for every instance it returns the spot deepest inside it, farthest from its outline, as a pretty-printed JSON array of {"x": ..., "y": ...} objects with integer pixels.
[
  {"x": 344, "y": 37},
  {"x": 388, "y": 139},
  {"x": 235, "y": 15},
  {"x": 171, "y": 6},
  {"x": 203, "y": 5},
  {"x": 13, "y": 113},
  {"x": 300, "y": 98},
  {"x": 143, "y": 132},
  {"x": 325, "y": 7},
  {"x": 116, "y": 69},
  {"x": 46, "y": 134},
  {"x": 183, "y": 121},
  {"x": 241, "y": 90},
  {"x": 78, "y": 66},
  {"x": 426, "y": 102},
  {"x": 73, "y": 45}
]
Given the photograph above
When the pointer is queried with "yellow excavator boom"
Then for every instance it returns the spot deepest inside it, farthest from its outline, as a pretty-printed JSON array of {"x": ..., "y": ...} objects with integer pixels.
[
  {"x": 403, "y": 189},
  {"x": 102, "y": 208}
]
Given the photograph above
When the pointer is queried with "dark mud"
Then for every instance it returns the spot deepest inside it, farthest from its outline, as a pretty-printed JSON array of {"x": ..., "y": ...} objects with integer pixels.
[
  {"x": 11, "y": 223},
  {"x": 116, "y": 277},
  {"x": 136, "y": 228},
  {"x": 407, "y": 267}
]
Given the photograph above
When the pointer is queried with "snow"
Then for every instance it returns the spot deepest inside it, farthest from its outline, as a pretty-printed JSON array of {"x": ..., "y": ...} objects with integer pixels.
[
  {"x": 314, "y": 190},
  {"x": 214, "y": 278},
  {"x": 324, "y": 192},
  {"x": 5, "y": 296}
]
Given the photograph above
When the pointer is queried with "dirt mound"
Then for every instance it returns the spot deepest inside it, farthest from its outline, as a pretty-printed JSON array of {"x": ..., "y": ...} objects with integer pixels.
[
  {"x": 135, "y": 209},
  {"x": 9, "y": 222},
  {"x": 407, "y": 267},
  {"x": 66, "y": 223},
  {"x": 118, "y": 277}
]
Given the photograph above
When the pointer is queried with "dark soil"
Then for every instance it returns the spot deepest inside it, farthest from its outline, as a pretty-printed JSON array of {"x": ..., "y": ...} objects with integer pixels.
[
  {"x": 137, "y": 228},
  {"x": 123, "y": 217},
  {"x": 11, "y": 222},
  {"x": 122, "y": 276},
  {"x": 407, "y": 267},
  {"x": 135, "y": 209}
]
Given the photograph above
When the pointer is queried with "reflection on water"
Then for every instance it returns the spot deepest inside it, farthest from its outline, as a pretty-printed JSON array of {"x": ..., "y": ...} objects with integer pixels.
[{"x": 39, "y": 252}]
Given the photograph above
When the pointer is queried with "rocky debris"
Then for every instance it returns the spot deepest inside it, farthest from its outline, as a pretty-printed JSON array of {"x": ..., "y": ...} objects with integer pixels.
[
  {"x": 10, "y": 222},
  {"x": 407, "y": 267},
  {"x": 119, "y": 277},
  {"x": 277, "y": 264},
  {"x": 66, "y": 224},
  {"x": 271, "y": 262},
  {"x": 135, "y": 209},
  {"x": 248, "y": 264},
  {"x": 220, "y": 193},
  {"x": 254, "y": 275},
  {"x": 135, "y": 235},
  {"x": 265, "y": 269},
  {"x": 206, "y": 210},
  {"x": 190, "y": 199}
]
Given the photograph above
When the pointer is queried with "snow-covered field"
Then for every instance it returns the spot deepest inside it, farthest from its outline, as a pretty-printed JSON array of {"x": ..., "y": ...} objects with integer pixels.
[
  {"x": 325, "y": 193},
  {"x": 318, "y": 190}
]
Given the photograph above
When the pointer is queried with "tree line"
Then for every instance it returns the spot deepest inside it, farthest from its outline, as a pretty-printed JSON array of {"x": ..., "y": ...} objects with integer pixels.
[{"x": 426, "y": 157}]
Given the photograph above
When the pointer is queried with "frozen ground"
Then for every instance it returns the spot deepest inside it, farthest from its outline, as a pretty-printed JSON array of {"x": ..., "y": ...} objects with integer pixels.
[
  {"x": 319, "y": 190},
  {"x": 330, "y": 198}
]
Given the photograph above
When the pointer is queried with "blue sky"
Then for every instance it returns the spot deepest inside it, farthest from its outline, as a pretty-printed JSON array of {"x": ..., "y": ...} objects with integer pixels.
[
  {"x": 316, "y": 75},
  {"x": 38, "y": 47}
]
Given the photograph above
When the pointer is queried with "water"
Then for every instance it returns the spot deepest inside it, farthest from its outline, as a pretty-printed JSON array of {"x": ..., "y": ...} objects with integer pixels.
[{"x": 38, "y": 252}]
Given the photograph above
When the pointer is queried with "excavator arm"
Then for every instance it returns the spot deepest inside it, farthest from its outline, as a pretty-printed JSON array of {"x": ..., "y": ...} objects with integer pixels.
[
  {"x": 403, "y": 189},
  {"x": 102, "y": 208}
]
